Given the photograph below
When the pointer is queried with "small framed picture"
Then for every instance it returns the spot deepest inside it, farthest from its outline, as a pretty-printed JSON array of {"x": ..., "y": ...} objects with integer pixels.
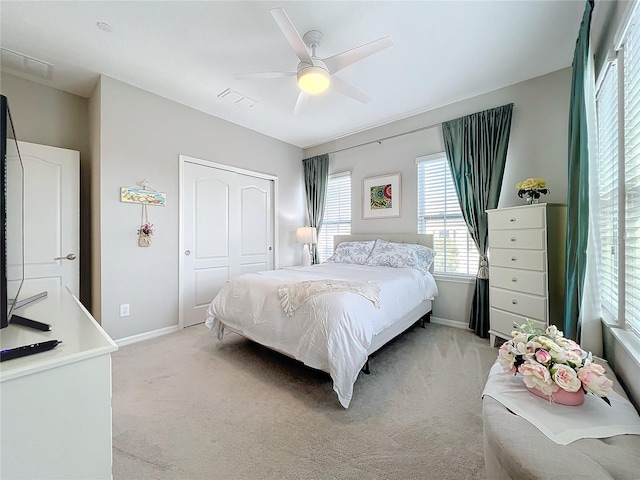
[{"x": 381, "y": 196}]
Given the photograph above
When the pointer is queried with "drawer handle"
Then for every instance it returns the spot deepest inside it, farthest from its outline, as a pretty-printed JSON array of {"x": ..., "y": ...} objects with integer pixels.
[
  {"x": 514, "y": 302},
  {"x": 512, "y": 220},
  {"x": 513, "y": 239},
  {"x": 514, "y": 280},
  {"x": 514, "y": 259}
]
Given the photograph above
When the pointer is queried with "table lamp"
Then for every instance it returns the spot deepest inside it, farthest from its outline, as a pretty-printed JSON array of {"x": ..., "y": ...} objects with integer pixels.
[{"x": 307, "y": 236}]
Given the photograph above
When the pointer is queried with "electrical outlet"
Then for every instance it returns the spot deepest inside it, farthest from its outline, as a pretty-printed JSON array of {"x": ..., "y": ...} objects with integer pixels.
[{"x": 124, "y": 310}]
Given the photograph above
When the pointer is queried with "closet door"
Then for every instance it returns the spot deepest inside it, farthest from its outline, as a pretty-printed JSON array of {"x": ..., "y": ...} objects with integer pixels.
[{"x": 227, "y": 231}]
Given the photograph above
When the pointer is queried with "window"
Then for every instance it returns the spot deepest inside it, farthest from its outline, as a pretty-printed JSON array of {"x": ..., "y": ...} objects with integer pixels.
[
  {"x": 439, "y": 214},
  {"x": 337, "y": 213},
  {"x": 618, "y": 111}
]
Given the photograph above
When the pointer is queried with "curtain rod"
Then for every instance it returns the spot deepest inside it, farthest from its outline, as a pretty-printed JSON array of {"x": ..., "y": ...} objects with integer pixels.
[{"x": 387, "y": 138}]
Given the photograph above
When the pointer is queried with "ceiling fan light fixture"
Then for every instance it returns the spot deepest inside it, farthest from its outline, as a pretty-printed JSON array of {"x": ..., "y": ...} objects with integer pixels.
[{"x": 313, "y": 80}]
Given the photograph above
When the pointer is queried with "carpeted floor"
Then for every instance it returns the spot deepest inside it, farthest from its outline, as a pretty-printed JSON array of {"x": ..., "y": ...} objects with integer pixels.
[{"x": 186, "y": 407}]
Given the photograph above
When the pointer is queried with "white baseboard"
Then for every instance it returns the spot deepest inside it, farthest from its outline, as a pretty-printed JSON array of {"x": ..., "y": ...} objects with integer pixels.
[
  {"x": 147, "y": 335},
  {"x": 449, "y": 323}
]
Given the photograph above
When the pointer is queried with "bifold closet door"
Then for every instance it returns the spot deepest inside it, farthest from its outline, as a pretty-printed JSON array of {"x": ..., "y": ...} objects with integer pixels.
[{"x": 228, "y": 231}]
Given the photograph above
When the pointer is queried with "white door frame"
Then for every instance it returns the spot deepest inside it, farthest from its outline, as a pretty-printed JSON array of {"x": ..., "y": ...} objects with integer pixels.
[{"x": 182, "y": 160}]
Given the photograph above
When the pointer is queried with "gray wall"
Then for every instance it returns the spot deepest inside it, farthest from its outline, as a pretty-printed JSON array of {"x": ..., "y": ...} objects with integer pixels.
[
  {"x": 537, "y": 148},
  {"x": 52, "y": 117},
  {"x": 141, "y": 136}
]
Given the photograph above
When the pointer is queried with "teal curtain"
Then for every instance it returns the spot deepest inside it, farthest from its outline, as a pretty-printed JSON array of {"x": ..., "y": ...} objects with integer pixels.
[
  {"x": 316, "y": 176},
  {"x": 578, "y": 189},
  {"x": 476, "y": 148}
]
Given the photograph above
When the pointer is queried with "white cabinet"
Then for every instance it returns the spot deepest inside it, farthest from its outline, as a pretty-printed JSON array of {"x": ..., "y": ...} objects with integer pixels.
[
  {"x": 55, "y": 408},
  {"x": 526, "y": 259}
]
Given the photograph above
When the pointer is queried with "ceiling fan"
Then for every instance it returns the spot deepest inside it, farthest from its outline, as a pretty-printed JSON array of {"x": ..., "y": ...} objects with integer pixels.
[{"x": 315, "y": 74}]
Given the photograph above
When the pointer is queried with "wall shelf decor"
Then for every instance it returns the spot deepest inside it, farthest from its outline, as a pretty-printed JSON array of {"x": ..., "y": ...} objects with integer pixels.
[
  {"x": 381, "y": 196},
  {"x": 143, "y": 195}
]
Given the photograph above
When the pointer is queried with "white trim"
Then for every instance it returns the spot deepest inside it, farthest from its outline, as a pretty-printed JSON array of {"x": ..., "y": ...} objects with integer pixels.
[
  {"x": 221, "y": 166},
  {"x": 612, "y": 56},
  {"x": 623, "y": 26},
  {"x": 629, "y": 341},
  {"x": 449, "y": 323},
  {"x": 346, "y": 173},
  {"x": 147, "y": 335},
  {"x": 433, "y": 156},
  {"x": 448, "y": 278}
]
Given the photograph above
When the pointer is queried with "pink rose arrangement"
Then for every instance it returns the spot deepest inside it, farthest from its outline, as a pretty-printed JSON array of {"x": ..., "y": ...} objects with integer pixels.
[
  {"x": 548, "y": 362},
  {"x": 146, "y": 229}
]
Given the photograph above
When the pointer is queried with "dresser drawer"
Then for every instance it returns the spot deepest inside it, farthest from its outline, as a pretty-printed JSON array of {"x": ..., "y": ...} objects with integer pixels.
[
  {"x": 531, "y": 306},
  {"x": 527, "y": 259},
  {"x": 526, "y": 281},
  {"x": 504, "y": 322},
  {"x": 520, "y": 239},
  {"x": 529, "y": 217}
]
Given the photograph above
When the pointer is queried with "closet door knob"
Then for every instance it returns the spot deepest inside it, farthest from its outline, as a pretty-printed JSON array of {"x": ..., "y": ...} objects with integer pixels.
[
  {"x": 71, "y": 256},
  {"x": 512, "y": 220},
  {"x": 514, "y": 302},
  {"x": 514, "y": 259},
  {"x": 187, "y": 252}
]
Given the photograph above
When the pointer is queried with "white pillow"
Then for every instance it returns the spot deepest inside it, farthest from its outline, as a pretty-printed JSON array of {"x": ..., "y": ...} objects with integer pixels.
[
  {"x": 397, "y": 255},
  {"x": 352, "y": 252}
]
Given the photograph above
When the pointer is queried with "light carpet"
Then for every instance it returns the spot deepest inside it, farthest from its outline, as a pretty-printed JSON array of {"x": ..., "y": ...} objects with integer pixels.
[{"x": 187, "y": 407}]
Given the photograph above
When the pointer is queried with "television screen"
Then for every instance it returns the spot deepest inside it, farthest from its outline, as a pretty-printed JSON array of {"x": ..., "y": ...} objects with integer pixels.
[{"x": 12, "y": 216}]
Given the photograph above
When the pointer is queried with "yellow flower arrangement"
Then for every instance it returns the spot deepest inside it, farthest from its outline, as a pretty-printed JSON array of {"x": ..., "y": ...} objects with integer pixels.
[{"x": 532, "y": 187}]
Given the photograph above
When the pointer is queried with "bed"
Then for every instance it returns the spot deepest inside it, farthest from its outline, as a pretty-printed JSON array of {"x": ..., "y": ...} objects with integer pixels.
[{"x": 334, "y": 315}]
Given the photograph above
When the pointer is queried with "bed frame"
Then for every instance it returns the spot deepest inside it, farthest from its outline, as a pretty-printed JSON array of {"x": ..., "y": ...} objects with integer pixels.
[{"x": 419, "y": 315}]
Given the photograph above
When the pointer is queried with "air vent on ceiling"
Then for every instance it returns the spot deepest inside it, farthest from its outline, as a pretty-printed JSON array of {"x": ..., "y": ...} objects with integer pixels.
[
  {"x": 25, "y": 64},
  {"x": 237, "y": 98}
]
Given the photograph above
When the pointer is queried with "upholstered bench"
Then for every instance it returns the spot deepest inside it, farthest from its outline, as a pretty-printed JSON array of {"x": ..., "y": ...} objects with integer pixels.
[{"x": 515, "y": 449}]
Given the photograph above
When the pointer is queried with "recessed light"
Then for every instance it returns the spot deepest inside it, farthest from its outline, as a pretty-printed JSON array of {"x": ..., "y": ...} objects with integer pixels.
[{"x": 105, "y": 27}]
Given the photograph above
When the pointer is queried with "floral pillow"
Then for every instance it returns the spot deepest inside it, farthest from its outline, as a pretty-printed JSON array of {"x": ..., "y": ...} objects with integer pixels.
[
  {"x": 352, "y": 252},
  {"x": 397, "y": 255}
]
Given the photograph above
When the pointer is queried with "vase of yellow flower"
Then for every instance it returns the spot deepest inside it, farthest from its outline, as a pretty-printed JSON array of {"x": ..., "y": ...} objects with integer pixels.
[{"x": 531, "y": 189}]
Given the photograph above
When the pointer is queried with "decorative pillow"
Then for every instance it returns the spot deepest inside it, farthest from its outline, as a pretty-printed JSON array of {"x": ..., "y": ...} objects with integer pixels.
[
  {"x": 397, "y": 255},
  {"x": 352, "y": 252}
]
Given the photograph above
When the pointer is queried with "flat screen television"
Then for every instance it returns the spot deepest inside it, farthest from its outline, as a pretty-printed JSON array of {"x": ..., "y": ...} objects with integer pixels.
[{"x": 11, "y": 216}]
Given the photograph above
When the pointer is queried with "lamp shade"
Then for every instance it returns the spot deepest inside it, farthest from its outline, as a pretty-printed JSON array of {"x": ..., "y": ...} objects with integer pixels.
[
  {"x": 313, "y": 79},
  {"x": 306, "y": 235}
]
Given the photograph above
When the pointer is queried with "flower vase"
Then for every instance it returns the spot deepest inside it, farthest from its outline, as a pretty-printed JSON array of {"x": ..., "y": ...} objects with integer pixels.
[
  {"x": 561, "y": 397},
  {"x": 531, "y": 200}
]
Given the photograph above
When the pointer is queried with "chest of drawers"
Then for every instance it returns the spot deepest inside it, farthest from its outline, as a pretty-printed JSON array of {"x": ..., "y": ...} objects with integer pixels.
[{"x": 526, "y": 267}]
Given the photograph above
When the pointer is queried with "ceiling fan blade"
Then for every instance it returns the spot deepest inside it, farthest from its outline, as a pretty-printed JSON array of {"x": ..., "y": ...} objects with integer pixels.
[
  {"x": 248, "y": 76},
  {"x": 292, "y": 35},
  {"x": 344, "y": 59},
  {"x": 349, "y": 90},
  {"x": 301, "y": 102}
]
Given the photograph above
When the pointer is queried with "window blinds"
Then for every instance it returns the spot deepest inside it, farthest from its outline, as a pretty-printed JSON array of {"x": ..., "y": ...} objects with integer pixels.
[
  {"x": 337, "y": 213},
  {"x": 632, "y": 171},
  {"x": 607, "y": 110},
  {"x": 618, "y": 109},
  {"x": 439, "y": 214}
]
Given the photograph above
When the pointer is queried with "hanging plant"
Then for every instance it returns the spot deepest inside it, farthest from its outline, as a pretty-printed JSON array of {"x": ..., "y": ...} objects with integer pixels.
[
  {"x": 146, "y": 229},
  {"x": 145, "y": 232}
]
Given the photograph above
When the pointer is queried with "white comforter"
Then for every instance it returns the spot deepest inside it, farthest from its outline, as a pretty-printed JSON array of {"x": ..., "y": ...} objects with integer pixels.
[{"x": 331, "y": 331}]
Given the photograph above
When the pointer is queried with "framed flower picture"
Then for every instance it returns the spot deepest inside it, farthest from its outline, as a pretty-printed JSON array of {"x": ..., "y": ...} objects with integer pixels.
[{"x": 381, "y": 196}]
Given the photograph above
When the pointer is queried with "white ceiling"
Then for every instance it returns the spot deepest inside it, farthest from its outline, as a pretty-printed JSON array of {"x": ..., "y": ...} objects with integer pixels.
[{"x": 443, "y": 51}]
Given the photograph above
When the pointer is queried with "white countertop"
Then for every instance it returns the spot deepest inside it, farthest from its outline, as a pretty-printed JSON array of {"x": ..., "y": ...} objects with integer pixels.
[{"x": 82, "y": 337}]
